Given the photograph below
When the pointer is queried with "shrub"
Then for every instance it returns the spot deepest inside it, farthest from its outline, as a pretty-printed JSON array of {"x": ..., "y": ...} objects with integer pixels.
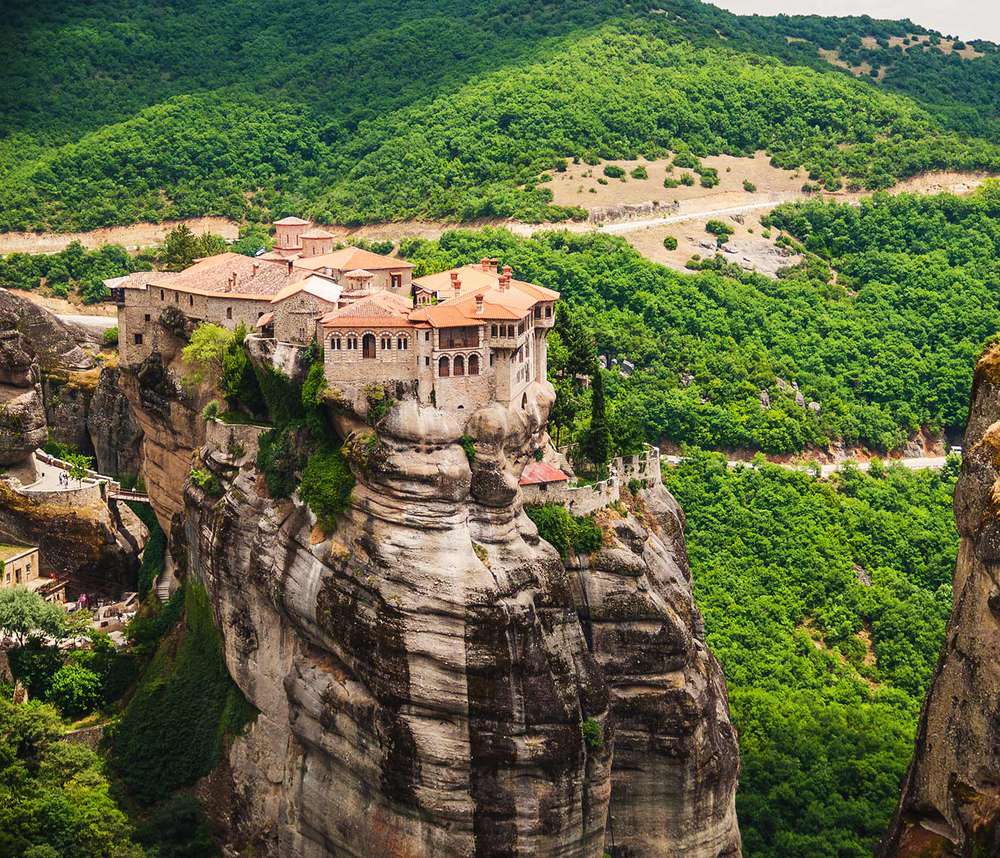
[
  {"x": 749, "y": 186},
  {"x": 278, "y": 460},
  {"x": 207, "y": 482},
  {"x": 76, "y": 690},
  {"x": 613, "y": 171},
  {"x": 687, "y": 179},
  {"x": 110, "y": 337},
  {"x": 639, "y": 173},
  {"x": 564, "y": 531},
  {"x": 709, "y": 177},
  {"x": 204, "y": 352},
  {"x": 670, "y": 183},
  {"x": 326, "y": 485},
  {"x": 687, "y": 160},
  {"x": 470, "y": 448},
  {"x": 154, "y": 553},
  {"x": 721, "y": 230},
  {"x": 670, "y": 242},
  {"x": 210, "y": 411},
  {"x": 593, "y": 734}
]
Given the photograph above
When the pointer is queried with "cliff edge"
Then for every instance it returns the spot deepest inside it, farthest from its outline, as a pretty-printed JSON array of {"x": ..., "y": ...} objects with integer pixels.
[{"x": 950, "y": 803}]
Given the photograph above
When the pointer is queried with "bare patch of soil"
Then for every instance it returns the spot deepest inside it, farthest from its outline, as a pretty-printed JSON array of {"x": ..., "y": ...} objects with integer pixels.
[
  {"x": 133, "y": 237},
  {"x": 64, "y": 306}
]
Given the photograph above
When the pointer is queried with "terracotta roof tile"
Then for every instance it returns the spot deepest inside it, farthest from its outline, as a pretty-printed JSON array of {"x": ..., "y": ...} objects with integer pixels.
[
  {"x": 292, "y": 221},
  {"x": 316, "y": 232},
  {"x": 348, "y": 258},
  {"x": 212, "y": 276},
  {"x": 536, "y": 473},
  {"x": 380, "y": 309}
]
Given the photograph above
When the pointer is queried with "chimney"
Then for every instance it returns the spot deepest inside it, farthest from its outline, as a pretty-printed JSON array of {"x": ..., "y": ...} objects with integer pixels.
[
  {"x": 289, "y": 266},
  {"x": 507, "y": 271},
  {"x": 479, "y": 304},
  {"x": 256, "y": 267},
  {"x": 504, "y": 282},
  {"x": 456, "y": 284},
  {"x": 494, "y": 265}
]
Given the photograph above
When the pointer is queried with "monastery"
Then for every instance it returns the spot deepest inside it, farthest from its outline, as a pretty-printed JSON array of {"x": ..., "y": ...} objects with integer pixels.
[{"x": 459, "y": 339}]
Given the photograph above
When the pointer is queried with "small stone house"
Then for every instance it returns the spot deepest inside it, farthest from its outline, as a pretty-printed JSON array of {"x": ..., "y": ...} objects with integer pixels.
[{"x": 20, "y": 565}]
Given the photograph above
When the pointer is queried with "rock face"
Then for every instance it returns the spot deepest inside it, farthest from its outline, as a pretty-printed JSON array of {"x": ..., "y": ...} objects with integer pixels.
[
  {"x": 950, "y": 804},
  {"x": 431, "y": 678},
  {"x": 53, "y": 343},
  {"x": 114, "y": 433},
  {"x": 22, "y": 415}
]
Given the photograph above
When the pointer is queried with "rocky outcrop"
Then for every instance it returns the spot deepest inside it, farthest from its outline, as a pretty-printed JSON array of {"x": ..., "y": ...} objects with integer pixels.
[
  {"x": 55, "y": 344},
  {"x": 22, "y": 416},
  {"x": 114, "y": 433},
  {"x": 432, "y": 679},
  {"x": 950, "y": 803}
]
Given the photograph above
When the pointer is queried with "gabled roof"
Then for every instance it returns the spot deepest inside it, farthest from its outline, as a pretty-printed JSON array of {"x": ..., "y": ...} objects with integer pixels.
[
  {"x": 536, "y": 473},
  {"x": 213, "y": 276},
  {"x": 507, "y": 305},
  {"x": 292, "y": 221},
  {"x": 318, "y": 285},
  {"x": 378, "y": 310},
  {"x": 473, "y": 277},
  {"x": 138, "y": 279},
  {"x": 348, "y": 258}
]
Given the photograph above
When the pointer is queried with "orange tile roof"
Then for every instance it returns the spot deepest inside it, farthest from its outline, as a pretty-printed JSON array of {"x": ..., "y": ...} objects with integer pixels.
[
  {"x": 473, "y": 277},
  {"x": 536, "y": 473},
  {"x": 292, "y": 221},
  {"x": 509, "y": 305},
  {"x": 319, "y": 285},
  {"x": 378, "y": 310},
  {"x": 316, "y": 232},
  {"x": 138, "y": 279},
  {"x": 348, "y": 258},
  {"x": 211, "y": 276}
]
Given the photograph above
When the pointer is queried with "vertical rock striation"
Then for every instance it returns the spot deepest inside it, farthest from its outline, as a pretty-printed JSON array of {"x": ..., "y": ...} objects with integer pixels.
[
  {"x": 431, "y": 677},
  {"x": 950, "y": 803}
]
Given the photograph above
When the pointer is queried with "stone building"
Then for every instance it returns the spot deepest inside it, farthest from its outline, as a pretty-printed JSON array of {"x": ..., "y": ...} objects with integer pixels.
[
  {"x": 459, "y": 339},
  {"x": 19, "y": 565}
]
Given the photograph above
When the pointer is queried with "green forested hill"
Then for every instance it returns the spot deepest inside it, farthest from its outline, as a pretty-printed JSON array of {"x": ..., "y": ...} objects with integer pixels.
[{"x": 114, "y": 112}]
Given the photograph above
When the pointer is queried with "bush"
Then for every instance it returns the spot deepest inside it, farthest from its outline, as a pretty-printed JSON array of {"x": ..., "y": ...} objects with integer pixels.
[
  {"x": 668, "y": 182},
  {"x": 469, "y": 446},
  {"x": 687, "y": 160},
  {"x": 278, "y": 460},
  {"x": 687, "y": 179},
  {"x": 593, "y": 734},
  {"x": 110, "y": 337},
  {"x": 75, "y": 690},
  {"x": 613, "y": 171},
  {"x": 154, "y": 553},
  {"x": 207, "y": 482},
  {"x": 564, "y": 531},
  {"x": 670, "y": 242},
  {"x": 326, "y": 486},
  {"x": 720, "y": 229},
  {"x": 709, "y": 177},
  {"x": 749, "y": 186},
  {"x": 639, "y": 173}
]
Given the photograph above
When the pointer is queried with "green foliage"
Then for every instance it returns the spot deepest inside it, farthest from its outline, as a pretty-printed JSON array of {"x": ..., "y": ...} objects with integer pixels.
[
  {"x": 176, "y": 828},
  {"x": 155, "y": 550},
  {"x": 893, "y": 354},
  {"x": 326, "y": 485},
  {"x": 749, "y": 186},
  {"x": 720, "y": 229},
  {"x": 826, "y": 720},
  {"x": 110, "y": 337},
  {"x": 670, "y": 242},
  {"x": 596, "y": 441},
  {"x": 686, "y": 179},
  {"x": 469, "y": 446},
  {"x": 564, "y": 531},
  {"x": 175, "y": 727},
  {"x": 252, "y": 238},
  {"x": 278, "y": 460},
  {"x": 181, "y": 248},
  {"x": 56, "y": 797},
  {"x": 206, "y": 481},
  {"x": 35, "y": 663},
  {"x": 24, "y": 614},
  {"x": 204, "y": 352},
  {"x": 451, "y": 134},
  {"x": 639, "y": 172},
  {"x": 75, "y": 690},
  {"x": 78, "y": 465},
  {"x": 238, "y": 381},
  {"x": 71, "y": 269},
  {"x": 613, "y": 171},
  {"x": 593, "y": 733}
]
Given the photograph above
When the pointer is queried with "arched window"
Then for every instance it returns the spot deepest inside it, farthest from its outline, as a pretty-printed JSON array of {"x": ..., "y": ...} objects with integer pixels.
[
  {"x": 524, "y": 401},
  {"x": 402, "y": 343},
  {"x": 444, "y": 367},
  {"x": 459, "y": 365},
  {"x": 386, "y": 343},
  {"x": 473, "y": 364},
  {"x": 368, "y": 346},
  {"x": 352, "y": 343}
]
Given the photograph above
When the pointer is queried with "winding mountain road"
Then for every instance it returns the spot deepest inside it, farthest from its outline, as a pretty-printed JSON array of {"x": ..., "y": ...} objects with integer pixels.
[{"x": 917, "y": 463}]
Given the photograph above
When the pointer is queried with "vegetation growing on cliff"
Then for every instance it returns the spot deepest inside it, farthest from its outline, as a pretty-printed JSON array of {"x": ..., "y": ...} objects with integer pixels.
[
  {"x": 101, "y": 128},
  {"x": 186, "y": 705},
  {"x": 826, "y": 602},
  {"x": 564, "y": 531},
  {"x": 887, "y": 348}
]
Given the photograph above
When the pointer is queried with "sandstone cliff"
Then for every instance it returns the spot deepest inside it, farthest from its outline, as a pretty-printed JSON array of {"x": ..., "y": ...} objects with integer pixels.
[
  {"x": 431, "y": 678},
  {"x": 22, "y": 415},
  {"x": 950, "y": 804}
]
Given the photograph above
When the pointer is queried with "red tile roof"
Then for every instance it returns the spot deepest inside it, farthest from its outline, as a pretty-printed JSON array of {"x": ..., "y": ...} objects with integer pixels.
[
  {"x": 316, "y": 232},
  {"x": 378, "y": 310},
  {"x": 348, "y": 258},
  {"x": 536, "y": 473},
  {"x": 292, "y": 221},
  {"x": 213, "y": 276}
]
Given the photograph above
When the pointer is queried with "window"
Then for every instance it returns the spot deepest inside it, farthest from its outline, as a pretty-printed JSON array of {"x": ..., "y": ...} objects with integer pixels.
[
  {"x": 402, "y": 343},
  {"x": 177, "y": 297},
  {"x": 459, "y": 365},
  {"x": 386, "y": 343},
  {"x": 493, "y": 330},
  {"x": 520, "y": 328},
  {"x": 444, "y": 367},
  {"x": 162, "y": 298},
  {"x": 538, "y": 312},
  {"x": 335, "y": 344},
  {"x": 473, "y": 364},
  {"x": 368, "y": 346},
  {"x": 190, "y": 300},
  {"x": 352, "y": 342},
  {"x": 427, "y": 336},
  {"x": 146, "y": 317},
  {"x": 427, "y": 361},
  {"x": 548, "y": 311},
  {"x": 510, "y": 331},
  {"x": 229, "y": 312},
  {"x": 396, "y": 281},
  {"x": 492, "y": 358},
  {"x": 137, "y": 339}
]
